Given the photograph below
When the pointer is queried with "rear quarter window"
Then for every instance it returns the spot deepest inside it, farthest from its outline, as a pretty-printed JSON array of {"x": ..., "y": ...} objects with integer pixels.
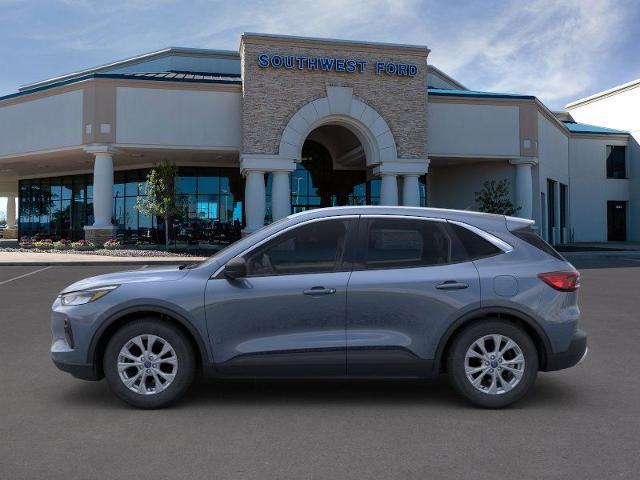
[
  {"x": 470, "y": 245},
  {"x": 529, "y": 235}
]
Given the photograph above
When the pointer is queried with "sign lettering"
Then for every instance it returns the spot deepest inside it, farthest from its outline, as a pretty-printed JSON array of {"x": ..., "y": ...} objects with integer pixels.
[{"x": 332, "y": 64}]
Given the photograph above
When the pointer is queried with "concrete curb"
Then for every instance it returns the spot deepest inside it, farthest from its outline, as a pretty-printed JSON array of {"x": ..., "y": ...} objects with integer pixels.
[
  {"x": 96, "y": 264},
  {"x": 603, "y": 253}
]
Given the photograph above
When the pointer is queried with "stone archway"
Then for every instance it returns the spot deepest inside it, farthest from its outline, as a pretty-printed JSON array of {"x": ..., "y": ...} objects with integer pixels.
[{"x": 339, "y": 107}]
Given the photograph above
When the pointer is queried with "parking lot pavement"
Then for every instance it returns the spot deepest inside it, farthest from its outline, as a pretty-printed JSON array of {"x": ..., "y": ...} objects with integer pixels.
[{"x": 581, "y": 423}]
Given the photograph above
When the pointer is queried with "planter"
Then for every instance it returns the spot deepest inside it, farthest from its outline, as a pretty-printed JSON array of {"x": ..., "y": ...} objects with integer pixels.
[{"x": 83, "y": 245}]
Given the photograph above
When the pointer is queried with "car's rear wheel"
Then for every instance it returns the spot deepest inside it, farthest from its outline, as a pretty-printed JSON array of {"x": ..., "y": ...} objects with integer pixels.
[
  {"x": 492, "y": 363},
  {"x": 149, "y": 363}
]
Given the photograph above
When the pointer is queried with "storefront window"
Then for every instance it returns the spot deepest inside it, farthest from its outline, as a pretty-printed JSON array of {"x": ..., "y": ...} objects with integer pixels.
[{"x": 59, "y": 207}]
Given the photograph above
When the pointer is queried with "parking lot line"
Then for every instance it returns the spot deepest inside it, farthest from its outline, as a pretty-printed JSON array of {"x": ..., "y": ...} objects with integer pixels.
[{"x": 25, "y": 275}]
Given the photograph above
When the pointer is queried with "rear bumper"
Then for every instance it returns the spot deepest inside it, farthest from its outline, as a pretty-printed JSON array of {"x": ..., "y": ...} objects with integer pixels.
[{"x": 572, "y": 356}]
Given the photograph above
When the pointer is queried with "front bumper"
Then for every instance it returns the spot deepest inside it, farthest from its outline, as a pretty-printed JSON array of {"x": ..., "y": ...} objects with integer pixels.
[
  {"x": 82, "y": 371},
  {"x": 67, "y": 353},
  {"x": 576, "y": 352}
]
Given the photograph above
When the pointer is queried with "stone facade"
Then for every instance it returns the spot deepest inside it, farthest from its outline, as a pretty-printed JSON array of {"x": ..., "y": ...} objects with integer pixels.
[
  {"x": 272, "y": 96},
  {"x": 99, "y": 236},
  {"x": 9, "y": 233}
]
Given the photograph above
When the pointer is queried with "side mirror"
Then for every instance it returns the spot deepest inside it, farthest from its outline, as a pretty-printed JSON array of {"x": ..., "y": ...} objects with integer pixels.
[{"x": 236, "y": 268}]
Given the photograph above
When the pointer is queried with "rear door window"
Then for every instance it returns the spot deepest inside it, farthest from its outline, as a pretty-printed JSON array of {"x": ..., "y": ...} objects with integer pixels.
[{"x": 403, "y": 243}]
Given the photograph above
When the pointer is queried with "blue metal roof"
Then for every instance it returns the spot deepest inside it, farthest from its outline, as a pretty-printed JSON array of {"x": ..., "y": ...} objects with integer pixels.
[
  {"x": 445, "y": 92},
  {"x": 575, "y": 127},
  {"x": 188, "y": 77}
]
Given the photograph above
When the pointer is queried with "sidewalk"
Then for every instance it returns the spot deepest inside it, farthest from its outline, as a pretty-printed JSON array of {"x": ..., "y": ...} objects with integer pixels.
[
  {"x": 37, "y": 259},
  {"x": 599, "y": 247}
]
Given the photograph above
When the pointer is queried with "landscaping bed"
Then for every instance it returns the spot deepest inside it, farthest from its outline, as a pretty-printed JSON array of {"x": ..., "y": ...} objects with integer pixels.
[{"x": 103, "y": 252}]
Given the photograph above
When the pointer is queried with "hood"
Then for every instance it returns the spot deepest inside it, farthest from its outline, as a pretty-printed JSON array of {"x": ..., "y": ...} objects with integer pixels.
[{"x": 159, "y": 274}]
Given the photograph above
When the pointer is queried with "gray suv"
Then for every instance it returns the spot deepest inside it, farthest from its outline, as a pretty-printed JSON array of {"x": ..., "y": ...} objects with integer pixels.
[{"x": 355, "y": 292}]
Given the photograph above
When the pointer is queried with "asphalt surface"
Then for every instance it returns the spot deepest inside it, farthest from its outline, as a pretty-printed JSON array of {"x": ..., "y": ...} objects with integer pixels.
[{"x": 582, "y": 423}]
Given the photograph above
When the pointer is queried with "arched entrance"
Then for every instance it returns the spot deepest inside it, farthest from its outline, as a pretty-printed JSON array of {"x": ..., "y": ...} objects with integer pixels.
[
  {"x": 332, "y": 171},
  {"x": 335, "y": 150}
]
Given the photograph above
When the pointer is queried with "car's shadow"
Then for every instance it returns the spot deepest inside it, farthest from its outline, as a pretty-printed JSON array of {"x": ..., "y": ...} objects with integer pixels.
[{"x": 548, "y": 391}]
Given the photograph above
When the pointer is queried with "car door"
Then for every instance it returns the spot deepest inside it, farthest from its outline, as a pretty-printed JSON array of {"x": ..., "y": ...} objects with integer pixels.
[
  {"x": 288, "y": 316},
  {"x": 410, "y": 282}
]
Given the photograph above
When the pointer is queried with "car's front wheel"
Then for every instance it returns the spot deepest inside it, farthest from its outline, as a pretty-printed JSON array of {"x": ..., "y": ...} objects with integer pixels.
[
  {"x": 492, "y": 363},
  {"x": 149, "y": 363}
]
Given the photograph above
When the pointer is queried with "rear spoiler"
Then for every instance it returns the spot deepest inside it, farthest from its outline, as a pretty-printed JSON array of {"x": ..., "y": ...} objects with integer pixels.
[{"x": 515, "y": 223}]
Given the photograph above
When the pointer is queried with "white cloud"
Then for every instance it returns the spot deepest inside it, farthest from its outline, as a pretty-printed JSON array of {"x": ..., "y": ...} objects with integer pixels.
[{"x": 548, "y": 48}]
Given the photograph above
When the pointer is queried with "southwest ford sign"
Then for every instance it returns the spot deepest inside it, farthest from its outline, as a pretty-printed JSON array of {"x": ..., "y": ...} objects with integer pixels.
[{"x": 333, "y": 64}]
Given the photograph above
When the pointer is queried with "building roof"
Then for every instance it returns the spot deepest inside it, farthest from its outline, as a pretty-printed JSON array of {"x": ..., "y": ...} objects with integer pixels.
[
  {"x": 585, "y": 128},
  {"x": 604, "y": 93},
  {"x": 171, "y": 76},
  {"x": 176, "y": 75},
  {"x": 132, "y": 61},
  {"x": 436, "y": 71},
  {"x": 474, "y": 93}
]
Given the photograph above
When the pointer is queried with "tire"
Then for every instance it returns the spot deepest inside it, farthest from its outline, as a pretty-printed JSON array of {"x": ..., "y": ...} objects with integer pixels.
[
  {"x": 500, "y": 381},
  {"x": 174, "y": 370}
]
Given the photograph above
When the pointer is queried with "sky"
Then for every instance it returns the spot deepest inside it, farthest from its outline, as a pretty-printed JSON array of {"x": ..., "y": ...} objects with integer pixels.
[{"x": 557, "y": 50}]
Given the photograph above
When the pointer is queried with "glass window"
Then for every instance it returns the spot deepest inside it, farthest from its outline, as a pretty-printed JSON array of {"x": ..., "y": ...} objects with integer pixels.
[
  {"x": 311, "y": 248},
  {"x": 119, "y": 213},
  {"x": 55, "y": 186},
  {"x": 131, "y": 185},
  {"x": 529, "y": 235},
  {"x": 616, "y": 167},
  {"x": 79, "y": 188},
  {"x": 470, "y": 245},
  {"x": 67, "y": 189},
  {"x": 131, "y": 214},
  {"x": 403, "y": 243},
  {"x": 186, "y": 184},
  {"x": 208, "y": 185},
  {"x": 118, "y": 184},
  {"x": 90, "y": 186}
]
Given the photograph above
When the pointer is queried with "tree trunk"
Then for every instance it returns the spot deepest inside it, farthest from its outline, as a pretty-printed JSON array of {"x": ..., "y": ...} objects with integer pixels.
[{"x": 166, "y": 232}]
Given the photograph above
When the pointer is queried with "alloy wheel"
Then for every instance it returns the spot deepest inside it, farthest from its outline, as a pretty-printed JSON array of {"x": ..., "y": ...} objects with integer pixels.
[
  {"x": 494, "y": 364},
  {"x": 147, "y": 364}
]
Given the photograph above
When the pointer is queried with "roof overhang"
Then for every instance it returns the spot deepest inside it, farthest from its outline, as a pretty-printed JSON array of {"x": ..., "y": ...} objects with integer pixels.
[{"x": 145, "y": 57}]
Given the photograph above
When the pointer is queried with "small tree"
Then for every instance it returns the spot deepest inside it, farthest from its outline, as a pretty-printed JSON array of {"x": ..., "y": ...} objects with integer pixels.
[
  {"x": 160, "y": 200},
  {"x": 495, "y": 198}
]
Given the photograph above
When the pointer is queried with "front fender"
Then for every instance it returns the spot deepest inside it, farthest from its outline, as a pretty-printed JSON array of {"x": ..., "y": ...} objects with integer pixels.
[{"x": 145, "y": 306}]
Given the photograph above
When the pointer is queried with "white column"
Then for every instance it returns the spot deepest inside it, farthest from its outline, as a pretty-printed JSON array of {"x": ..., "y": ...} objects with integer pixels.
[
  {"x": 255, "y": 200},
  {"x": 524, "y": 187},
  {"x": 280, "y": 195},
  {"x": 389, "y": 189},
  {"x": 11, "y": 211},
  {"x": 411, "y": 191},
  {"x": 103, "y": 190}
]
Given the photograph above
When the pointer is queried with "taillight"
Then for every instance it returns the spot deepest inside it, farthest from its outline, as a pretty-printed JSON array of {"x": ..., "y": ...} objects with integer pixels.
[{"x": 563, "y": 281}]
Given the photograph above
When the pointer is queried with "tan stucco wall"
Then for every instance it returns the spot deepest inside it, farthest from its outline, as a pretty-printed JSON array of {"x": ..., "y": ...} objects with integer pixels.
[{"x": 272, "y": 96}]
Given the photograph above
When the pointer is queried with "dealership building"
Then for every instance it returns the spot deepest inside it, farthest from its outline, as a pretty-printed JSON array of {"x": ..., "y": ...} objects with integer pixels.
[{"x": 290, "y": 123}]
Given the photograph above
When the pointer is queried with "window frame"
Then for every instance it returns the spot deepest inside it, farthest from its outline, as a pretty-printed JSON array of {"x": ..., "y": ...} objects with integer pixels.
[
  {"x": 359, "y": 263},
  {"x": 608, "y": 149},
  {"x": 344, "y": 265}
]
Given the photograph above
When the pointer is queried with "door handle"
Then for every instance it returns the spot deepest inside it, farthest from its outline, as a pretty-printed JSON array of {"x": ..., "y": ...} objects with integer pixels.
[
  {"x": 452, "y": 285},
  {"x": 317, "y": 291}
]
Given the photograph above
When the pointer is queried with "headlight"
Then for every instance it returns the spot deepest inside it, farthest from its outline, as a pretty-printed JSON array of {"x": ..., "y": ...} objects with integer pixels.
[{"x": 85, "y": 296}]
